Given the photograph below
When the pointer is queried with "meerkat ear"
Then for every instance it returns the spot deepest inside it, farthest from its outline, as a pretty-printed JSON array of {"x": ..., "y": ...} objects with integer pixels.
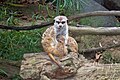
[{"x": 53, "y": 20}]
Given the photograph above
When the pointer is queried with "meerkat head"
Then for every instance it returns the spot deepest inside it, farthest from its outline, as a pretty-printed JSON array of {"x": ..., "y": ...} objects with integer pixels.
[{"x": 60, "y": 22}]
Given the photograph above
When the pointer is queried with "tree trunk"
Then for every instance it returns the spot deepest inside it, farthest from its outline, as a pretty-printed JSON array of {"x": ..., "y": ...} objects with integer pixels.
[{"x": 87, "y": 30}]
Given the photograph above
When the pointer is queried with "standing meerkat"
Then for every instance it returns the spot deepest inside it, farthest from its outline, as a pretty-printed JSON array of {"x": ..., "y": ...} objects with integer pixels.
[
  {"x": 55, "y": 40},
  {"x": 61, "y": 28}
]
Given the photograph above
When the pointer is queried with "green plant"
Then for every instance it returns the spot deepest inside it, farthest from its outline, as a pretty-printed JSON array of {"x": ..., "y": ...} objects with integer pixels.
[
  {"x": 16, "y": 77},
  {"x": 14, "y": 44},
  {"x": 35, "y": 16},
  {"x": 118, "y": 24},
  {"x": 111, "y": 57},
  {"x": 12, "y": 21},
  {"x": 3, "y": 13},
  {"x": 46, "y": 8},
  {"x": 69, "y": 6},
  {"x": 108, "y": 58},
  {"x": 3, "y": 73},
  {"x": 8, "y": 16}
]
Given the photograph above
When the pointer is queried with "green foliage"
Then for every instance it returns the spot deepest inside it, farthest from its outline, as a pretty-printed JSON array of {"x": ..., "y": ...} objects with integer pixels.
[
  {"x": 16, "y": 77},
  {"x": 107, "y": 58},
  {"x": 14, "y": 44},
  {"x": 69, "y": 6},
  {"x": 118, "y": 24},
  {"x": 110, "y": 57},
  {"x": 50, "y": 13},
  {"x": 89, "y": 41},
  {"x": 7, "y": 16},
  {"x": 12, "y": 21},
  {"x": 92, "y": 21},
  {"x": 35, "y": 16},
  {"x": 3, "y": 13},
  {"x": 3, "y": 73}
]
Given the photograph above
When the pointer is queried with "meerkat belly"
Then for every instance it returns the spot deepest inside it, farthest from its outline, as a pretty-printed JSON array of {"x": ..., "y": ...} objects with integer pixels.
[{"x": 60, "y": 51}]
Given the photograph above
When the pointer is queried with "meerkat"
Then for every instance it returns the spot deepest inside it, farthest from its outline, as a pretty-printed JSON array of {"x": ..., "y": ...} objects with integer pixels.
[{"x": 55, "y": 40}]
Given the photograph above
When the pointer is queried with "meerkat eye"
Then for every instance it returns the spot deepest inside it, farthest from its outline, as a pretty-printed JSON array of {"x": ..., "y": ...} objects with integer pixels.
[
  {"x": 57, "y": 22},
  {"x": 63, "y": 22},
  {"x": 67, "y": 21}
]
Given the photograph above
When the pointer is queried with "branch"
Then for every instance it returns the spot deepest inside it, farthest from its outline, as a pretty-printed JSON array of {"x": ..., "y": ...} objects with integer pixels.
[
  {"x": 95, "y": 13},
  {"x": 87, "y": 30},
  {"x": 92, "y": 51},
  {"x": 82, "y": 15},
  {"x": 43, "y": 24}
]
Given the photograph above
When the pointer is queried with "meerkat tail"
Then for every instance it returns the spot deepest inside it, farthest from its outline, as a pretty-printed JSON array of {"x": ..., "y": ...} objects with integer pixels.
[{"x": 53, "y": 59}]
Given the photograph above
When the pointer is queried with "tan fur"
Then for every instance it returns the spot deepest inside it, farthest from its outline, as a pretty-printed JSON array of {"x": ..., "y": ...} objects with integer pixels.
[
  {"x": 72, "y": 45},
  {"x": 49, "y": 45}
]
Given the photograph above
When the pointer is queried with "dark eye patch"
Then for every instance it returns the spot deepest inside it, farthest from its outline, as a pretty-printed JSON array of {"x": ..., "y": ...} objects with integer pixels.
[
  {"x": 63, "y": 22},
  {"x": 57, "y": 22}
]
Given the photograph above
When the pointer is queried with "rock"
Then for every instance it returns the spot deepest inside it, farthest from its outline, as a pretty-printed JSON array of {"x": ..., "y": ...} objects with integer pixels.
[
  {"x": 43, "y": 77},
  {"x": 100, "y": 1},
  {"x": 91, "y": 6},
  {"x": 38, "y": 66},
  {"x": 110, "y": 4}
]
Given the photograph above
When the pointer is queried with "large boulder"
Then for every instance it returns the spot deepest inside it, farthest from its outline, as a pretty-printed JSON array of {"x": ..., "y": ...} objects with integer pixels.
[
  {"x": 110, "y": 4},
  {"x": 100, "y": 1},
  {"x": 91, "y": 6}
]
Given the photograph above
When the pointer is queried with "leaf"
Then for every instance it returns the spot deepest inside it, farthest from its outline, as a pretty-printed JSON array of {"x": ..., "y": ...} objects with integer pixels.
[{"x": 3, "y": 72}]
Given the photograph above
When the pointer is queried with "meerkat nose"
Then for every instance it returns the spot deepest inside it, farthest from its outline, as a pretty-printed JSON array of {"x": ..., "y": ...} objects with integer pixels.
[{"x": 60, "y": 26}]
